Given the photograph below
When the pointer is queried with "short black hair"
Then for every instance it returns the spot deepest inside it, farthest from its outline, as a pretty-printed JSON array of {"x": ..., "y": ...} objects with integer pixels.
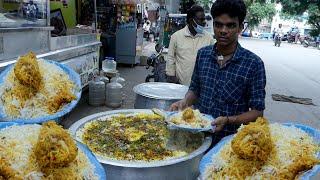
[
  {"x": 234, "y": 8},
  {"x": 191, "y": 13}
]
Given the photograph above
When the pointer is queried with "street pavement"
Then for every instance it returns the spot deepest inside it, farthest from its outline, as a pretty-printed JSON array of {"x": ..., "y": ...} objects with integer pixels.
[{"x": 291, "y": 70}]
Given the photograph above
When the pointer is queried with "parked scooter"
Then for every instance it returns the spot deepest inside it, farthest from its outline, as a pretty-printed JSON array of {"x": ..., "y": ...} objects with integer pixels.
[
  {"x": 157, "y": 62},
  {"x": 308, "y": 41},
  {"x": 277, "y": 40}
]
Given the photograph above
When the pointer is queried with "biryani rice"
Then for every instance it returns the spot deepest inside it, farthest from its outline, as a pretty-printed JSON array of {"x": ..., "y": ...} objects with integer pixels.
[
  {"x": 290, "y": 142},
  {"x": 16, "y": 147},
  {"x": 54, "y": 80}
]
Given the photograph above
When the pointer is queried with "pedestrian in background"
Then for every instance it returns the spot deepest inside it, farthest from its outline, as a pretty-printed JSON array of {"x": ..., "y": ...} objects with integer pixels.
[
  {"x": 146, "y": 29},
  {"x": 184, "y": 46},
  {"x": 145, "y": 13}
]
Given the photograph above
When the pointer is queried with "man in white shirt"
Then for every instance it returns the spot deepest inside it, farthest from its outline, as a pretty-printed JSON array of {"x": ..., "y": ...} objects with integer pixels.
[
  {"x": 146, "y": 28},
  {"x": 279, "y": 31},
  {"x": 184, "y": 46}
]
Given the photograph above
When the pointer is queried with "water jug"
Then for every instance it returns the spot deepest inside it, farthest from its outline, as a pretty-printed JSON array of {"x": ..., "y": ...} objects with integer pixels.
[
  {"x": 97, "y": 90},
  {"x": 114, "y": 94},
  {"x": 118, "y": 79},
  {"x": 109, "y": 65}
]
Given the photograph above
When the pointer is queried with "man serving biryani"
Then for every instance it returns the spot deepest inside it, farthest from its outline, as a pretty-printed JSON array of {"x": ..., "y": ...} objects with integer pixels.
[{"x": 228, "y": 81}]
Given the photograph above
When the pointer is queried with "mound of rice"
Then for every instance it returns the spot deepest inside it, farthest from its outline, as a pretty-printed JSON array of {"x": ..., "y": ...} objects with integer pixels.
[
  {"x": 16, "y": 147},
  {"x": 292, "y": 147},
  {"x": 54, "y": 80},
  {"x": 196, "y": 119}
]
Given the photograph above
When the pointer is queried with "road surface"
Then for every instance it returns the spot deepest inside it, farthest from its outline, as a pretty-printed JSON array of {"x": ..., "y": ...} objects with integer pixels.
[{"x": 291, "y": 70}]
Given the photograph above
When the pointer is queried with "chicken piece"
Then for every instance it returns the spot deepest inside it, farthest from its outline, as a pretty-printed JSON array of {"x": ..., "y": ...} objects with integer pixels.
[
  {"x": 299, "y": 165},
  {"x": 188, "y": 115},
  {"x": 27, "y": 71},
  {"x": 64, "y": 96},
  {"x": 55, "y": 147},
  {"x": 6, "y": 172},
  {"x": 253, "y": 141}
]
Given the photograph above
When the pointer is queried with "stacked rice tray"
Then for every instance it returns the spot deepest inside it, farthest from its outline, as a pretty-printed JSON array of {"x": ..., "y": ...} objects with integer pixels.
[
  {"x": 34, "y": 95},
  {"x": 36, "y": 90}
]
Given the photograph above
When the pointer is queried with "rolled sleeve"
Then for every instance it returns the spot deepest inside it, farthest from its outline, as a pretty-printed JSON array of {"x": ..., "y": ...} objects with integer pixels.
[
  {"x": 171, "y": 59},
  {"x": 257, "y": 92},
  {"x": 195, "y": 81}
]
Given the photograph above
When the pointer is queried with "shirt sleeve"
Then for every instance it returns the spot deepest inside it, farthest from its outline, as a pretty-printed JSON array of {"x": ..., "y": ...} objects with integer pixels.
[
  {"x": 257, "y": 92},
  {"x": 171, "y": 60},
  {"x": 195, "y": 81}
]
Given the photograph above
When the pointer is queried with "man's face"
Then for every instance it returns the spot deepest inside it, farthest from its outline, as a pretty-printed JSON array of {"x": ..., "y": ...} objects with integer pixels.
[
  {"x": 226, "y": 29},
  {"x": 200, "y": 19}
]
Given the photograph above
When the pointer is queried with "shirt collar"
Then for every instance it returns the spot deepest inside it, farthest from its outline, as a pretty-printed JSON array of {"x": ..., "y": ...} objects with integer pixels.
[
  {"x": 236, "y": 56},
  {"x": 187, "y": 32}
]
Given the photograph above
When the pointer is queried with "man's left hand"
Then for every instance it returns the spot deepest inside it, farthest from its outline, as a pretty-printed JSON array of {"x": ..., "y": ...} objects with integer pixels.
[{"x": 219, "y": 123}]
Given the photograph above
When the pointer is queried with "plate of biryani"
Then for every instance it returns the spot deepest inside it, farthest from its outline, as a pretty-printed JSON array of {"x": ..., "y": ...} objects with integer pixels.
[
  {"x": 36, "y": 90},
  {"x": 47, "y": 151},
  {"x": 190, "y": 120},
  {"x": 135, "y": 136},
  {"x": 263, "y": 150}
]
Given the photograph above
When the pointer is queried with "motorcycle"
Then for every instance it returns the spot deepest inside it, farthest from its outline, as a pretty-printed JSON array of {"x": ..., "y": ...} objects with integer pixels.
[
  {"x": 277, "y": 40},
  {"x": 157, "y": 62},
  {"x": 292, "y": 37},
  {"x": 310, "y": 42}
]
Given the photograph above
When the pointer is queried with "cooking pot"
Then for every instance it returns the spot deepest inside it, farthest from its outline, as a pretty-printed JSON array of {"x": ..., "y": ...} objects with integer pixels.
[
  {"x": 158, "y": 95},
  {"x": 180, "y": 168}
]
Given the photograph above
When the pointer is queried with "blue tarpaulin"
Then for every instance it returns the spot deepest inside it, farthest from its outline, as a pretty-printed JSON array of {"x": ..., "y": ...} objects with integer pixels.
[{"x": 66, "y": 109}]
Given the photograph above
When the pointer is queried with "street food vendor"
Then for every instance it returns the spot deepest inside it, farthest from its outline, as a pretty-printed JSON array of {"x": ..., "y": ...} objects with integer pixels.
[{"x": 228, "y": 81}]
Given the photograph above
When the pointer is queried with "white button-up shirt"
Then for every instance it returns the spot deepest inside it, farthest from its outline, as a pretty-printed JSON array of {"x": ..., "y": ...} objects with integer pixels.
[{"x": 183, "y": 51}]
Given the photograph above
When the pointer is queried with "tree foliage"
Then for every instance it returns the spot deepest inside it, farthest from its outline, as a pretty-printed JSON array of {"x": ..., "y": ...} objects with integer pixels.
[
  {"x": 206, "y": 4},
  {"x": 298, "y": 7},
  {"x": 258, "y": 11}
]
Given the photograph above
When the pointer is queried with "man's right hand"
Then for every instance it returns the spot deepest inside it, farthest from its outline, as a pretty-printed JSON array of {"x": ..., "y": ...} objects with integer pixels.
[{"x": 179, "y": 106}]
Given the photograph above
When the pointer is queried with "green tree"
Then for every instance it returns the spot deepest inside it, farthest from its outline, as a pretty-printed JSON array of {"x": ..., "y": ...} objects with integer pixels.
[
  {"x": 206, "y": 4},
  {"x": 257, "y": 10},
  {"x": 298, "y": 7}
]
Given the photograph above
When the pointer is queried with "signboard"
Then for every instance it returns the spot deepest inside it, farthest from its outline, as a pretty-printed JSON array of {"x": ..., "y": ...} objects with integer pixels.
[{"x": 84, "y": 66}]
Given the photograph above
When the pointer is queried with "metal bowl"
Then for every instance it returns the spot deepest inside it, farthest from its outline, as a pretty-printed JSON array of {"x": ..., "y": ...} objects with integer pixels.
[
  {"x": 158, "y": 95},
  {"x": 184, "y": 168}
]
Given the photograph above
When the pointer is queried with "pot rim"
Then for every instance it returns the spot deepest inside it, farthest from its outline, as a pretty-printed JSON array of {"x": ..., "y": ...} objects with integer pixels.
[
  {"x": 136, "y": 164},
  {"x": 137, "y": 91}
]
